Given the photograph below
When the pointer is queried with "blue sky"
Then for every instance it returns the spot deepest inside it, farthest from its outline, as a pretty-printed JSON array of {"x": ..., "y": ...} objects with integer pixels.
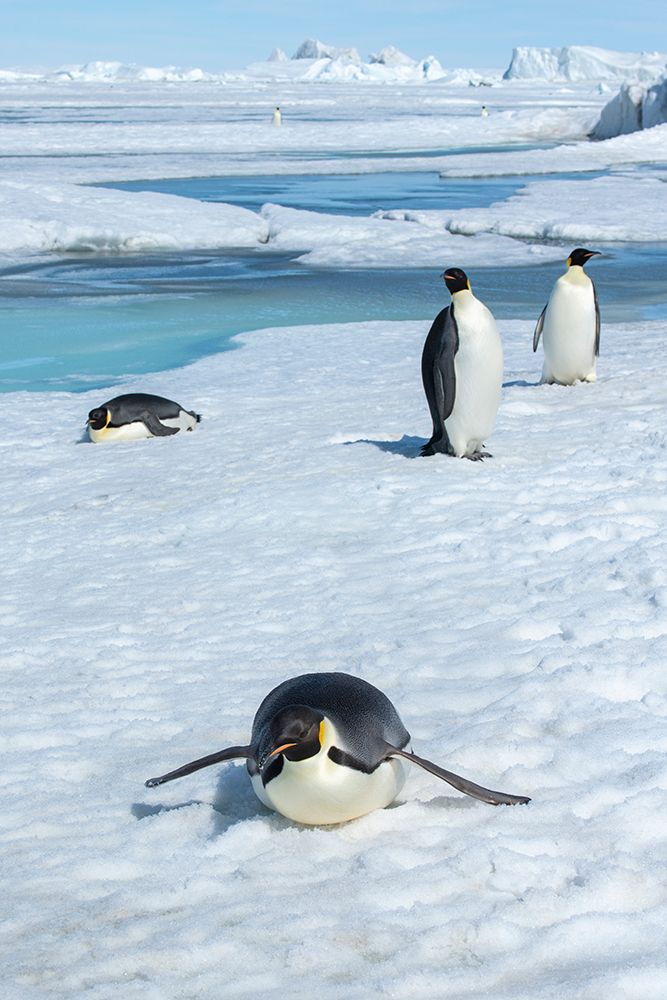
[{"x": 224, "y": 34}]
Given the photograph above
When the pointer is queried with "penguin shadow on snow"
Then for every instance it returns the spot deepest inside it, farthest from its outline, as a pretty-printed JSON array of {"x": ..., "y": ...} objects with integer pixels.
[
  {"x": 521, "y": 383},
  {"x": 408, "y": 446},
  {"x": 233, "y": 801},
  {"x": 141, "y": 810}
]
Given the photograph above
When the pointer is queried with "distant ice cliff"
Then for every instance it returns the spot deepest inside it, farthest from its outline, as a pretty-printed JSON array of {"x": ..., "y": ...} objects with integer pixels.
[{"x": 584, "y": 62}]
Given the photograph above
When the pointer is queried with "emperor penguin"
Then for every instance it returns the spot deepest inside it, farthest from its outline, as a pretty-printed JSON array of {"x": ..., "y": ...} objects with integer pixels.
[
  {"x": 138, "y": 415},
  {"x": 327, "y": 748},
  {"x": 277, "y": 119},
  {"x": 462, "y": 372},
  {"x": 570, "y": 325}
]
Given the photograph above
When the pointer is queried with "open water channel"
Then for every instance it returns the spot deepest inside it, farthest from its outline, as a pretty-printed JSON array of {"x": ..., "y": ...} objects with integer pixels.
[{"x": 77, "y": 322}]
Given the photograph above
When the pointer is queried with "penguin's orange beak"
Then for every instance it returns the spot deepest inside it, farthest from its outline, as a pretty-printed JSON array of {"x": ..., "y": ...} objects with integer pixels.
[{"x": 280, "y": 749}]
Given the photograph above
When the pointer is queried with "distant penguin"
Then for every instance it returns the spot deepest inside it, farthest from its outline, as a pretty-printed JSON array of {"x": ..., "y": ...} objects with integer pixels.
[
  {"x": 570, "y": 325},
  {"x": 326, "y": 748},
  {"x": 462, "y": 372},
  {"x": 277, "y": 117},
  {"x": 138, "y": 415},
  {"x": 484, "y": 112}
]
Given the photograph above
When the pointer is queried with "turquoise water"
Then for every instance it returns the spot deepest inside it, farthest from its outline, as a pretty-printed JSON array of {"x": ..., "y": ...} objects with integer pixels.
[
  {"x": 79, "y": 322},
  {"x": 346, "y": 194}
]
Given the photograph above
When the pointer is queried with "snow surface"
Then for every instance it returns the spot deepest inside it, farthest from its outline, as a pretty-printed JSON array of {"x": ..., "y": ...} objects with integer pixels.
[
  {"x": 583, "y": 62},
  {"x": 393, "y": 239},
  {"x": 629, "y": 208},
  {"x": 621, "y": 151},
  {"x": 58, "y": 137},
  {"x": 515, "y": 611},
  {"x": 68, "y": 217}
]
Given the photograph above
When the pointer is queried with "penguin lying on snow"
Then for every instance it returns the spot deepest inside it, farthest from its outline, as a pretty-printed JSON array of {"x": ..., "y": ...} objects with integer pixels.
[
  {"x": 139, "y": 415},
  {"x": 570, "y": 325},
  {"x": 462, "y": 372},
  {"x": 324, "y": 749}
]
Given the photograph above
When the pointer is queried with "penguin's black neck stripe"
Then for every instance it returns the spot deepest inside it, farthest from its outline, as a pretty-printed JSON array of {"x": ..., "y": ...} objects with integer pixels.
[{"x": 347, "y": 760}]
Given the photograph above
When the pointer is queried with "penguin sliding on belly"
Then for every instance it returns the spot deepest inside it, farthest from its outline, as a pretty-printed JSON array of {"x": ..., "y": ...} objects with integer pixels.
[
  {"x": 138, "y": 415},
  {"x": 462, "y": 372},
  {"x": 570, "y": 325},
  {"x": 327, "y": 748}
]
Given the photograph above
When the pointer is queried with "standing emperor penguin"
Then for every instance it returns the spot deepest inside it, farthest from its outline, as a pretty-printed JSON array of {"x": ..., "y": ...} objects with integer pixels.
[
  {"x": 326, "y": 748},
  {"x": 138, "y": 415},
  {"x": 462, "y": 372},
  {"x": 570, "y": 325},
  {"x": 277, "y": 119}
]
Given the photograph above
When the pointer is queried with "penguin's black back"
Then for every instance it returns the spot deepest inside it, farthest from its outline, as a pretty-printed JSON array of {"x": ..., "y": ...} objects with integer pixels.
[
  {"x": 364, "y": 717},
  {"x": 125, "y": 409}
]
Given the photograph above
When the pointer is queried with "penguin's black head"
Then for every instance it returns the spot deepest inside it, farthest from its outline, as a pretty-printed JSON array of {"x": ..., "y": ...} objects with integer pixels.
[
  {"x": 581, "y": 256},
  {"x": 99, "y": 418},
  {"x": 294, "y": 732},
  {"x": 456, "y": 280}
]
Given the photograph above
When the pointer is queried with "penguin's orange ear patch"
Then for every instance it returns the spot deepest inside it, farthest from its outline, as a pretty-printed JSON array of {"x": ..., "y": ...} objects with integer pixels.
[{"x": 321, "y": 733}]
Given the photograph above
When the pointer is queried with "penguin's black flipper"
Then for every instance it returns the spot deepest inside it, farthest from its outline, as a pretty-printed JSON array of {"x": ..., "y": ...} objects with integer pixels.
[
  {"x": 597, "y": 321},
  {"x": 439, "y": 377},
  {"x": 463, "y": 785},
  {"x": 231, "y": 753},
  {"x": 156, "y": 428},
  {"x": 538, "y": 329}
]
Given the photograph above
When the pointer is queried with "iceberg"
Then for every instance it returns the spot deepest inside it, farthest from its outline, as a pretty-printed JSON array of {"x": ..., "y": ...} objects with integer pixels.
[
  {"x": 583, "y": 62},
  {"x": 312, "y": 48},
  {"x": 391, "y": 56},
  {"x": 633, "y": 108},
  {"x": 344, "y": 70},
  {"x": 116, "y": 72}
]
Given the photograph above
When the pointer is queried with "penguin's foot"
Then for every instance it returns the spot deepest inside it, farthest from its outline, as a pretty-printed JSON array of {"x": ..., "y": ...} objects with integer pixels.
[
  {"x": 479, "y": 456},
  {"x": 436, "y": 448}
]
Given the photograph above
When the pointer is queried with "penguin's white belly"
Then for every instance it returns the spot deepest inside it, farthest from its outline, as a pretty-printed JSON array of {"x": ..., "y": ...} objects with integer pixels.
[
  {"x": 569, "y": 334},
  {"x": 138, "y": 430},
  {"x": 478, "y": 368},
  {"x": 317, "y": 791}
]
